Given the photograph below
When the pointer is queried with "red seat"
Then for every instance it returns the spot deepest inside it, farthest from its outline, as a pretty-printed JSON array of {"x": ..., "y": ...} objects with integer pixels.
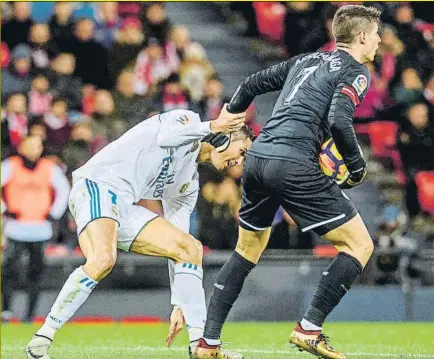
[
  {"x": 361, "y": 129},
  {"x": 270, "y": 18},
  {"x": 382, "y": 136},
  {"x": 425, "y": 189}
]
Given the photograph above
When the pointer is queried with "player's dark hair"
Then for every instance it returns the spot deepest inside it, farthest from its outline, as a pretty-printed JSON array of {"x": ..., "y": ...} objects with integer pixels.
[
  {"x": 243, "y": 133},
  {"x": 350, "y": 20}
]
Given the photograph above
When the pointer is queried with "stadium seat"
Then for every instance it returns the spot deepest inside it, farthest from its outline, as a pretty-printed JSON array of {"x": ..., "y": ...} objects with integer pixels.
[
  {"x": 270, "y": 18},
  {"x": 361, "y": 129},
  {"x": 325, "y": 250},
  {"x": 425, "y": 28},
  {"x": 382, "y": 136},
  {"x": 425, "y": 189}
]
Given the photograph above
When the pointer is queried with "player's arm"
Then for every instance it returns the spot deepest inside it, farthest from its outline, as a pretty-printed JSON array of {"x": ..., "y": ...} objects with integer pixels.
[
  {"x": 350, "y": 92},
  {"x": 271, "y": 79},
  {"x": 181, "y": 127}
]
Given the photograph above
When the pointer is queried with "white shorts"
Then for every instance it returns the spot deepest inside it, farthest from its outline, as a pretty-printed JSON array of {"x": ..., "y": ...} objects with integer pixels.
[{"x": 89, "y": 200}]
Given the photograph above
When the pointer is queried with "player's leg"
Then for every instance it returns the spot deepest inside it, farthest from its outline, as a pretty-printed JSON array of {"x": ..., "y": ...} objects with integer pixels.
[
  {"x": 230, "y": 280},
  {"x": 352, "y": 238},
  {"x": 11, "y": 260},
  {"x": 317, "y": 204},
  {"x": 145, "y": 233},
  {"x": 98, "y": 226},
  {"x": 256, "y": 215},
  {"x": 355, "y": 248},
  {"x": 35, "y": 269}
]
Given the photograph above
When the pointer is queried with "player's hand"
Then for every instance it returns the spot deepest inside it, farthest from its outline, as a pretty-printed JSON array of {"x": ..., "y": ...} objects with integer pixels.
[
  {"x": 355, "y": 178},
  {"x": 228, "y": 122},
  {"x": 220, "y": 141},
  {"x": 177, "y": 322}
]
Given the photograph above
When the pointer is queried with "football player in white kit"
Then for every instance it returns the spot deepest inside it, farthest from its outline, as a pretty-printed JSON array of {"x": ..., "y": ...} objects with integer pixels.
[{"x": 155, "y": 160}]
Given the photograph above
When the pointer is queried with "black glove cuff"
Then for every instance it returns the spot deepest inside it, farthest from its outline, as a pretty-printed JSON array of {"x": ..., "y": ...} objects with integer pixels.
[
  {"x": 357, "y": 165},
  {"x": 220, "y": 141}
]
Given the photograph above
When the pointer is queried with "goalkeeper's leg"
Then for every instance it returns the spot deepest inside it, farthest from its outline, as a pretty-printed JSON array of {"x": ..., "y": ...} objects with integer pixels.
[
  {"x": 98, "y": 243},
  {"x": 227, "y": 288},
  {"x": 355, "y": 248}
]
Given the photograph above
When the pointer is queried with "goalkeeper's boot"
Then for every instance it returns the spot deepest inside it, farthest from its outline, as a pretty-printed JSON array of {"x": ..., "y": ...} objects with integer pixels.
[
  {"x": 38, "y": 347},
  {"x": 205, "y": 351},
  {"x": 314, "y": 342}
]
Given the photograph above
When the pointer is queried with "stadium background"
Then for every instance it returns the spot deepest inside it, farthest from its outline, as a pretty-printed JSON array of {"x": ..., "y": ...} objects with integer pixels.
[{"x": 96, "y": 69}]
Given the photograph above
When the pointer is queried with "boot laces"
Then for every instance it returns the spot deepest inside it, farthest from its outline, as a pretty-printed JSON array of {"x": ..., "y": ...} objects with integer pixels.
[{"x": 326, "y": 340}]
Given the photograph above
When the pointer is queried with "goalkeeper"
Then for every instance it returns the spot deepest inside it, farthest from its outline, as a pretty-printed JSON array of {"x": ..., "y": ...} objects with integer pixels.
[
  {"x": 319, "y": 93},
  {"x": 155, "y": 161}
]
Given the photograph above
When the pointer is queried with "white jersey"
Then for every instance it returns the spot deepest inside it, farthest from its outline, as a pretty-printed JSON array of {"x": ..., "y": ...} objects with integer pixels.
[{"x": 156, "y": 159}]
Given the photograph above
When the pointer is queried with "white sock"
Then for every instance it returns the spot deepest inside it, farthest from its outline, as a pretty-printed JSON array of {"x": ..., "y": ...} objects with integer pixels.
[
  {"x": 191, "y": 296},
  {"x": 73, "y": 294},
  {"x": 47, "y": 331},
  {"x": 306, "y": 325},
  {"x": 213, "y": 341}
]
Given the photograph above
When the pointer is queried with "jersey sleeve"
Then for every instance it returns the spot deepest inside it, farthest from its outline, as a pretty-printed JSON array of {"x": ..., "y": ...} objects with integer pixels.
[
  {"x": 271, "y": 79},
  {"x": 181, "y": 127},
  {"x": 351, "y": 90}
]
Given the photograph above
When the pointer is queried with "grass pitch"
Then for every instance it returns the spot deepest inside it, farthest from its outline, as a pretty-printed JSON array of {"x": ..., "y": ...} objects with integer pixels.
[{"x": 254, "y": 340}]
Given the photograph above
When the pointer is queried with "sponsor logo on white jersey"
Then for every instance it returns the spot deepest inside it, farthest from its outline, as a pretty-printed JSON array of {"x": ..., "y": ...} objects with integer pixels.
[{"x": 163, "y": 178}]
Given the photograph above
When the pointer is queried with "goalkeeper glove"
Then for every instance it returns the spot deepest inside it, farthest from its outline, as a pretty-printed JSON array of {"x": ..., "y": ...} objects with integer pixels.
[
  {"x": 220, "y": 141},
  {"x": 357, "y": 172}
]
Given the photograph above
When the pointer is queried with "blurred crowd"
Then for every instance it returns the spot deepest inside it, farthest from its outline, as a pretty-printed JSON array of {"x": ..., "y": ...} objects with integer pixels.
[{"x": 78, "y": 75}]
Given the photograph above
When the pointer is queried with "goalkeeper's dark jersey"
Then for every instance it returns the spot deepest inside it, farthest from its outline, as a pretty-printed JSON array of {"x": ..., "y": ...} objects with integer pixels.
[{"x": 319, "y": 94}]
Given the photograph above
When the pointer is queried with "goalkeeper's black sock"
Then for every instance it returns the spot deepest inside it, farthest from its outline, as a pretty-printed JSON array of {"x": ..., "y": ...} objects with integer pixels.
[
  {"x": 336, "y": 281},
  {"x": 226, "y": 290}
]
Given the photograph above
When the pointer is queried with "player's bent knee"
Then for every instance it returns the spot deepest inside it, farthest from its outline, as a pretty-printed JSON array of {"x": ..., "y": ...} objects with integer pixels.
[
  {"x": 361, "y": 250},
  {"x": 250, "y": 244},
  {"x": 362, "y": 245},
  {"x": 352, "y": 238},
  {"x": 199, "y": 250},
  {"x": 101, "y": 264},
  {"x": 189, "y": 250},
  {"x": 368, "y": 247}
]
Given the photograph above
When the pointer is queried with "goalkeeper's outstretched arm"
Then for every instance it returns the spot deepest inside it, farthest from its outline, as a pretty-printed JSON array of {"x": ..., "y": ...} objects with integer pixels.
[
  {"x": 181, "y": 127},
  {"x": 271, "y": 79}
]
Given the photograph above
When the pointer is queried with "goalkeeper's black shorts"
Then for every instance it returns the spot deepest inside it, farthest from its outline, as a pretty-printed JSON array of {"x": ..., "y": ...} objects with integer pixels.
[{"x": 313, "y": 201}]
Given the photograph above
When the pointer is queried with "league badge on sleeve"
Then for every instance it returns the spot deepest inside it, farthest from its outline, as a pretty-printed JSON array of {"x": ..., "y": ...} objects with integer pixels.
[
  {"x": 184, "y": 187},
  {"x": 360, "y": 84},
  {"x": 183, "y": 120}
]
